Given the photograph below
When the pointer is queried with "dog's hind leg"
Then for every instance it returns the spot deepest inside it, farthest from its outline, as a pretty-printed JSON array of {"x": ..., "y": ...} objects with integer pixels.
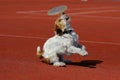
[
  {"x": 61, "y": 59},
  {"x": 55, "y": 59},
  {"x": 59, "y": 64}
]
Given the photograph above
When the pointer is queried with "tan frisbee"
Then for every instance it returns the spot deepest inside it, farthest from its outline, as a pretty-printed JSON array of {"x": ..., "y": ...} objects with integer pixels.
[{"x": 57, "y": 10}]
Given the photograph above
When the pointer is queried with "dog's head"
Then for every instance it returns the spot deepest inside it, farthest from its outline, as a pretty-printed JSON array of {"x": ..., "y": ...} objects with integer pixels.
[{"x": 59, "y": 26}]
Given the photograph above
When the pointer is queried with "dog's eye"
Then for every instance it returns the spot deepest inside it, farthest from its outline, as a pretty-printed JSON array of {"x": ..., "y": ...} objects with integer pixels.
[{"x": 60, "y": 20}]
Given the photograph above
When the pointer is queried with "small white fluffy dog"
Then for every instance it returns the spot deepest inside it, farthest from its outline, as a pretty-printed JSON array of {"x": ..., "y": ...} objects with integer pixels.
[
  {"x": 57, "y": 46},
  {"x": 65, "y": 42}
]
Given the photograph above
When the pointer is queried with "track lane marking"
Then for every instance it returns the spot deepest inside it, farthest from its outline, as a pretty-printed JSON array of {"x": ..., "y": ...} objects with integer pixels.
[
  {"x": 45, "y": 11},
  {"x": 42, "y": 38}
]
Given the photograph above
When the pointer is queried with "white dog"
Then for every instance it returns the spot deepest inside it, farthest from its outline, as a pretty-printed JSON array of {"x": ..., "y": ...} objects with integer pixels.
[
  {"x": 65, "y": 42},
  {"x": 57, "y": 46}
]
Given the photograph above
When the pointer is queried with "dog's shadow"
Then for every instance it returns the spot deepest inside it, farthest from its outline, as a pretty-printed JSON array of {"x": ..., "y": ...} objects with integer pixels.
[{"x": 86, "y": 63}]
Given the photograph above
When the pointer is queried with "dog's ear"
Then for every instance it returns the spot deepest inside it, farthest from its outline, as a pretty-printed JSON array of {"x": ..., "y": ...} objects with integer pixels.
[
  {"x": 59, "y": 26},
  {"x": 58, "y": 31}
]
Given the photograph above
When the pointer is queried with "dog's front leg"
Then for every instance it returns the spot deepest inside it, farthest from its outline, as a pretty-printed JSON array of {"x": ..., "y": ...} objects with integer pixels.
[{"x": 73, "y": 49}]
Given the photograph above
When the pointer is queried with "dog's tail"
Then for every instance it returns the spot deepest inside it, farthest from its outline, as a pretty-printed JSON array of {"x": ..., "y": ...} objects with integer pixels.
[
  {"x": 39, "y": 52},
  {"x": 39, "y": 55}
]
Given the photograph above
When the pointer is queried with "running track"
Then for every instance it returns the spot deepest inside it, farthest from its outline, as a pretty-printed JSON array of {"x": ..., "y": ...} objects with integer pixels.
[{"x": 24, "y": 25}]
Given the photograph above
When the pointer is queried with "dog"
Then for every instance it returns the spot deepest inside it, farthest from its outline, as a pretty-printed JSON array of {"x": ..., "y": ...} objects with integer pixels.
[
  {"x": 56, "y": 47},
  {"x": 64, "y": 42}
]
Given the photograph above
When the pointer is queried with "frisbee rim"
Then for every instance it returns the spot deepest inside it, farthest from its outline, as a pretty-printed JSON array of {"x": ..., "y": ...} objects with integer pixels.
[{"x": 53, "y": 12}]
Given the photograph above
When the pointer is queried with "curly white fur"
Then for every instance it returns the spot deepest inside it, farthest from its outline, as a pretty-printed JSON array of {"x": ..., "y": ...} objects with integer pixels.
[{"x": 60, "y": 45}]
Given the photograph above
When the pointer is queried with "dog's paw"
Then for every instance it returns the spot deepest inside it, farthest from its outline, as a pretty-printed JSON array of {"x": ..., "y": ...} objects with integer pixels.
[
  {"x": 59, "y": 64},
  {"x": 84, "y": 53}
]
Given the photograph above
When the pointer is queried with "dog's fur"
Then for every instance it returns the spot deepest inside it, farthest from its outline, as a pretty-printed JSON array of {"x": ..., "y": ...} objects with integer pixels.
[
  {"x": 59, "y": 26},
  {"x": 59, "y": 45}
]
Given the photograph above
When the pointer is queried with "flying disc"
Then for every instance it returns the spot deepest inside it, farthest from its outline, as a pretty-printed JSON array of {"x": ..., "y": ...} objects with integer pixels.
[{"x": 57, "y": 10}]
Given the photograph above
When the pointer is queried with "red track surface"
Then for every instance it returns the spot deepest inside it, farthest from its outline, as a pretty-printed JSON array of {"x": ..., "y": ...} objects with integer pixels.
[{"x": 24, "y": 24}]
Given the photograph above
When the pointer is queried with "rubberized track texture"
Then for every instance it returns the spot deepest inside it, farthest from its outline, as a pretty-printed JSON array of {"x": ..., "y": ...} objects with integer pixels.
[{"x": 24, "y": 24}]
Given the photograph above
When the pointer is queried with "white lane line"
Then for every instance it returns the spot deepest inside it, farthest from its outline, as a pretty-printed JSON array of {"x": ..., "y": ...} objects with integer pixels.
[
  {"x": 45, "y": 11},
  {"x": 99, "y": 42},
  {"x": 84, "y": 41},
  {"x": 102, "y": 17},
  {"x": 84, "y": 14},
  {"x": 92, "y": 12},
  {"x": 31, "y": 12},
  {"x": 95, "y": 8},
  {"x": 16, "y": 36}
]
